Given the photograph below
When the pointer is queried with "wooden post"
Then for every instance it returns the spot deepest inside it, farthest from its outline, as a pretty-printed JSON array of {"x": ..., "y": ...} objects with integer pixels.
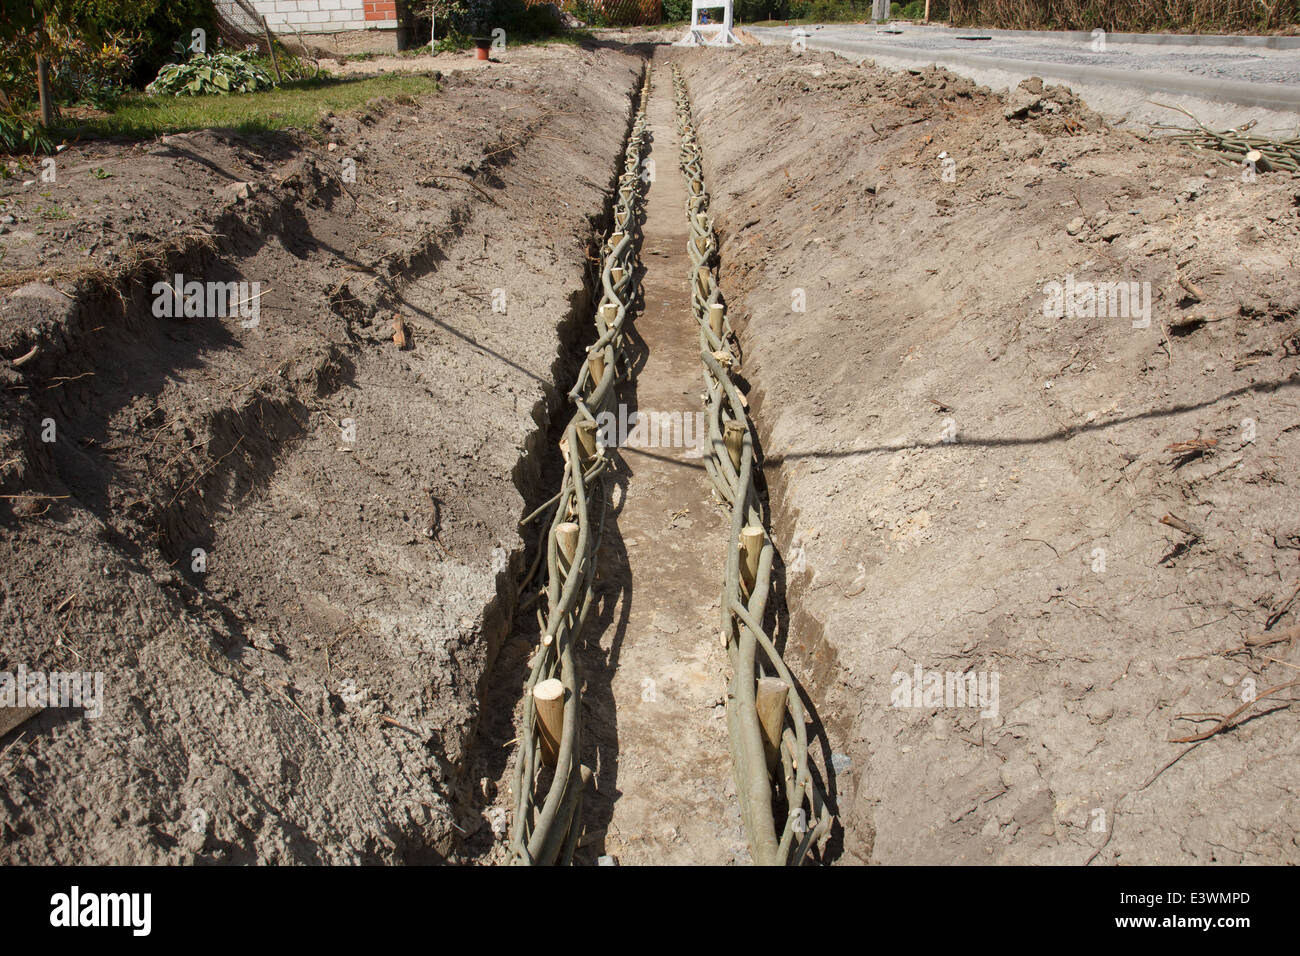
[
  {"x": 43, "y": 91},
  {"x": 548, "y": 698},
  {"x": 702, "y": 277},
  {"x": 270, "y": 48},
  {"x": 596, "y": 360},
  {"x": 587, "y": 439},
  {"x": 926, "y": 19},
  {"x": 608, "y": 313},
  {"x": 733, "y": 433},
  {"x": 751, "y": 545},
  {"x": 566, "y": 536},
  {"x": 616, "y": 273},
  {"x": 769, "y": 700},
  {"x": 715, "y": 319}
]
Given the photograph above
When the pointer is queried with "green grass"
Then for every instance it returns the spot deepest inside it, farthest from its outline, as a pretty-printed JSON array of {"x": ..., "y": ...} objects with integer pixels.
[
  {"x": 296, "y": 105},
  {"x": 575, "y": 37}
]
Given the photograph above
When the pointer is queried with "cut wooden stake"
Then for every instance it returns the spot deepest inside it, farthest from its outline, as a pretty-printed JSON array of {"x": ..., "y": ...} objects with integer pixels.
[
  {"x": 597, "y": 362},
  {"x": 770, "y": 698},
  {"x": 548, "y": 698},
  {"x": 751, "y": 545},
  {"x": 616, "y": 273},
  {"x": 608, "y": 313},
  {"x": 734, "y": 435},
  {"x": 566, "y": 536},
  {"x": 715, "y": 319},
  {"x": 587, "y": 439}
]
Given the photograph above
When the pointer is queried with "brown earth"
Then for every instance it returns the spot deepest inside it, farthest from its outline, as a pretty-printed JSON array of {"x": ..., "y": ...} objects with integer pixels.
[
  {"x": 962, "y": 480},
  {"x": 1028, "y": 546},
  {"x": 311, "y": 694}
]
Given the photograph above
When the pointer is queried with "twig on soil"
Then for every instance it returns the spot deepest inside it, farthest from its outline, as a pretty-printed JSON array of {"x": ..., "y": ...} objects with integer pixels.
[
  {"x": 64, "y": 379},
  {"x": 286, "y": 697},
  {"x": 1275, "y": 614},
  {"x": 1041, "y": 541},
  {"x": 24, "y": 359},
  {"x": 1226, "y": 722},
  {"x": 240, "y": 388},
  {"x": 31, "y": 742},
  {"x": 1178, "y": 523},
  {"x": 389, "y": 720},
  {"x": 1191, "y": 289},
  {"x": 204, "y": 472},
  {"x": 1110, "y": 832},
  {"x": 464, "y": 179},
  {"x": 1265, "y": 640},
  {"x": 1192, "y": 445}
]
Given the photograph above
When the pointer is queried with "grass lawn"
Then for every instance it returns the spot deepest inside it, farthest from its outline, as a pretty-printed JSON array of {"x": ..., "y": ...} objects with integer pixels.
[{"x": 298, "y": 104}]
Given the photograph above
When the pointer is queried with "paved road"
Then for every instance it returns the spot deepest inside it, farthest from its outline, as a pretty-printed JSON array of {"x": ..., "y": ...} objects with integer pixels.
[{"x": 1116, "y": 79}]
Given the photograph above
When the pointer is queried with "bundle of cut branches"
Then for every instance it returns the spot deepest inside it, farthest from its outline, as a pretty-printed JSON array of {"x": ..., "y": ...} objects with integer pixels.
[{"x": 1234, "y": 147}]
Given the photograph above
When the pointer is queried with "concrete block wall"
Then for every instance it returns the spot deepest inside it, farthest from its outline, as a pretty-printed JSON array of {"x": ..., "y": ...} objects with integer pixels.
[{"x": 328, "y": 16}]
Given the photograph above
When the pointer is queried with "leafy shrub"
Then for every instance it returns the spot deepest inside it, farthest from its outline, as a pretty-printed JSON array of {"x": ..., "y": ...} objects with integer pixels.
[
  {"x": 19, "y": 135},
  {"x": 155, "y": 24},
  {"x": 211, "y": 73},
  {"x": 82, "y": 69},
  {"x": 914, "y": 10}
]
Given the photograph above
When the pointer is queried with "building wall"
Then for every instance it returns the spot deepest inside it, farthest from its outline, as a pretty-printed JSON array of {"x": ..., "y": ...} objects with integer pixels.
[{"x": 327, "y": 16}]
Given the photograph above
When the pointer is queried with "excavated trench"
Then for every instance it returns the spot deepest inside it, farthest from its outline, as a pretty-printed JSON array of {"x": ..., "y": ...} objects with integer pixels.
[
  {"x": 484, "y": 793},
  {"x": 295, "y": 696},
  {"x": 654, "y": 690}
]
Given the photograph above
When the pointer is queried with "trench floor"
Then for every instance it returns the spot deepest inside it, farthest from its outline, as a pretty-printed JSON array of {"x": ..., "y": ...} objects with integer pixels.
[{"x": 664, "y": 786}]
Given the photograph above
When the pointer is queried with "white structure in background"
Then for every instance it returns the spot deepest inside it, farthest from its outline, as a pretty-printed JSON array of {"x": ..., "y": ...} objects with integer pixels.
[
  {"x": 695, "y": 36},
  {"x": 349, "y": 26}
]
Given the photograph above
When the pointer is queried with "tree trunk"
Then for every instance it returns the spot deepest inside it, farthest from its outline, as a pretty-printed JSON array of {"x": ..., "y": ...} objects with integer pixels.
[{"x": 48, "y": 112}]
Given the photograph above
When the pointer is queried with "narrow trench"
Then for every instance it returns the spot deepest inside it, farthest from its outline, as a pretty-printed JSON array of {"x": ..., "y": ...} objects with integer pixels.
[
  {"x": 655, "y": 675},
  {"x": 483, "y": 790}
]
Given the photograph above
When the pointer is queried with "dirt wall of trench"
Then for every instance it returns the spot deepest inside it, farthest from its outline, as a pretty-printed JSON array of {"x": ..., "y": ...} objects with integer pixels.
[
  {"x": 308, "y": 691},
  {"x": 970, "y": 479}
]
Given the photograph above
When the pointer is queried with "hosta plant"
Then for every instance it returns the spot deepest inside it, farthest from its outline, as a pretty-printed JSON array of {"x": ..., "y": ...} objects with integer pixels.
[{"x": 211, "y": 73}]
